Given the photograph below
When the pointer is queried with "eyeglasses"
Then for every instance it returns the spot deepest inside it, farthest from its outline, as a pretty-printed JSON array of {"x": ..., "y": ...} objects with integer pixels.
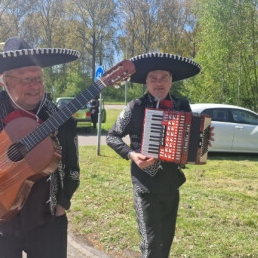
[
  {"x": 28, "y": 80},
  {"x": 164, "y": 79}
]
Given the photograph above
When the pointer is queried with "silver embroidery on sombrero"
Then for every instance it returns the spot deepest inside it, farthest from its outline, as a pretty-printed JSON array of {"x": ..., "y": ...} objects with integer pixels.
[
  {"x": 39, "y": 51},
  {"x": 167, "y": 55}
]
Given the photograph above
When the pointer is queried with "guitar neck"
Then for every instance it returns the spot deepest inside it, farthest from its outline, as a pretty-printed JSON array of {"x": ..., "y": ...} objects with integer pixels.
[{"x": 60, "y": 117}]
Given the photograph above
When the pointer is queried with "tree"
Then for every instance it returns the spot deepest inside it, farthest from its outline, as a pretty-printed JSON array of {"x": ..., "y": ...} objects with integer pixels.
[
  {"x": 177, "y": 26},
  {"x": 227, "y": 51},
  {"x": 11, "y": 17},
  {"x": 157, "y": 25},
  {"x": 96, "y": 30},
  {"x": 140, "y": 25}
]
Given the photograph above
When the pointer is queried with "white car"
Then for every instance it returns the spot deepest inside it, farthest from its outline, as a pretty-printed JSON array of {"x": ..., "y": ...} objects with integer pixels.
[{"x": 235, "y": 128}]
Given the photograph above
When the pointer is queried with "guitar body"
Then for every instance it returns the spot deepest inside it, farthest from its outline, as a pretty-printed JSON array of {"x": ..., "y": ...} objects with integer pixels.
[{"x": 18, "y": 176}]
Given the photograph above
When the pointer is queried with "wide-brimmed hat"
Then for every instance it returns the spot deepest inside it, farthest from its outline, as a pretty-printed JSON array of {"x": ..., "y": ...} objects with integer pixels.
[
  {"x": 180, "y": 67},
  {"x": 17, "y": 53}
]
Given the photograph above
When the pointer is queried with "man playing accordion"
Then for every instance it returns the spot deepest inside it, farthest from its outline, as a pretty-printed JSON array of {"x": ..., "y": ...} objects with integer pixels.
[{"x": 156, "y": 183}]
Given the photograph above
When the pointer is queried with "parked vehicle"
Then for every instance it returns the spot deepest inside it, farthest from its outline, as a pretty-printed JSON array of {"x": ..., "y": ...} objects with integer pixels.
[
  {"x": 82, "y": 115},
  {"x": 235, "y": 128}
]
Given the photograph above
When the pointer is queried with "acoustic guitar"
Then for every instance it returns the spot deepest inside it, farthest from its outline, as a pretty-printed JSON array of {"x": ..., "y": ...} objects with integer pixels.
[{"x": 28, "y": 152}]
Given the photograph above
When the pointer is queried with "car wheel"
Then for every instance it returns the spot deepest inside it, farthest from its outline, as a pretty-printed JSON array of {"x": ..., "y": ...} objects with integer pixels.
[
  {"x": 104, "y": 116},
  {"x": 87, "y": 129}
]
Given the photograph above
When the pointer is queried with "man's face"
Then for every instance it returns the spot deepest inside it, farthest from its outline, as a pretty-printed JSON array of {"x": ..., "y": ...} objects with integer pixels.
[
  {"x": 159, "y": 83},
  {"x": 26, "y": 86}
]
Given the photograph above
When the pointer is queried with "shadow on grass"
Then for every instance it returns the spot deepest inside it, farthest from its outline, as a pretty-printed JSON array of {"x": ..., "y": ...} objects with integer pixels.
[{"x": 232, "y": 156}]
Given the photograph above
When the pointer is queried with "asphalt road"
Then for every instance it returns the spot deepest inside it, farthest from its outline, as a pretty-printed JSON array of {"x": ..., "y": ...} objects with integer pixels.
[{"x": 89, "y": 140}]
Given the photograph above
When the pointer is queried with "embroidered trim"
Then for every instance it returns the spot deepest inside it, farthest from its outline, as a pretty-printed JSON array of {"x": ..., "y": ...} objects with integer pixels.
[
  {"x": 39, "y": 51},
  {"x": 167, "y": 55}
]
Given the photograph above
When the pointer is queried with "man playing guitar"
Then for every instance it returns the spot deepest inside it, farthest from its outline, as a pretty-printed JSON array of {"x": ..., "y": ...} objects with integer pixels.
[{"x": 36, "y": 224}]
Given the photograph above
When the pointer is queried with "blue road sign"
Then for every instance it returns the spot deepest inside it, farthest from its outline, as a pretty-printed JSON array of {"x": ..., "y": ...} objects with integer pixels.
[{"x": 99, "y": 73}]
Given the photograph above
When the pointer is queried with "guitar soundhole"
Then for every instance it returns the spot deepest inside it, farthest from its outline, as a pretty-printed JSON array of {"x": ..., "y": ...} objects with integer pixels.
[{"x": 16, "y": 152}]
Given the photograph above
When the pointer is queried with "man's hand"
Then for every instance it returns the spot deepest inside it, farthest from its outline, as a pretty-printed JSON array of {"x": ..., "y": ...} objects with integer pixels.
[
  {"x": 141, "y": 160},
  {"x": 211, "y": 139},
  {"x": 59, "y": 210}
]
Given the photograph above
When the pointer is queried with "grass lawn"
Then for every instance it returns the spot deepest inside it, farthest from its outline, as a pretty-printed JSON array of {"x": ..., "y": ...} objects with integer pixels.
[{"x": 218, "y": 214}]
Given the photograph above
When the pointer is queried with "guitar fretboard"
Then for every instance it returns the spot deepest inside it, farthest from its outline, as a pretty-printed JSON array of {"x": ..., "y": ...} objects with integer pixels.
[{"x": 60, "y": 117}]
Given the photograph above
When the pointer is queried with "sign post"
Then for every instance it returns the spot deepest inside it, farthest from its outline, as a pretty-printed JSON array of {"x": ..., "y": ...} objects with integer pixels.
[{"x": 99, "y": 72}]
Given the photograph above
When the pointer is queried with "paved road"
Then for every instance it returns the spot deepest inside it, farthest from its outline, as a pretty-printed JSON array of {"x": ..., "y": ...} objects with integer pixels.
[
  {"x": 78, "y": 249},
  {"x": 88, "y": 140}
]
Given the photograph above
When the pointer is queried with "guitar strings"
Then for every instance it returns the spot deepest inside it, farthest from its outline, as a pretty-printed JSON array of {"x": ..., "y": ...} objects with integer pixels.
[
  {"x": 15, "y": 154},
  {"x": 4, "y": 158}
]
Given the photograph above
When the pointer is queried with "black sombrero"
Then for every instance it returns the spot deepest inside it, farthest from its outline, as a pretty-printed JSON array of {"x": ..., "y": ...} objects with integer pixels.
[
  {"x": 17, "y": 53},
  {"x": 180, "y": 67}
]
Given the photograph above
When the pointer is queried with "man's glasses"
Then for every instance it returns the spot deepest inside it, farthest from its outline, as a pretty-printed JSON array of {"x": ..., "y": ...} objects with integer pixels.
[
  {"x": 164, "y": 79},
  {"x": 28, "y": 80}
]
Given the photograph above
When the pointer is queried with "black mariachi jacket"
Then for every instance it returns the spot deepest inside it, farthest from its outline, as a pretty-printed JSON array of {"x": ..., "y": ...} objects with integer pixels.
[
  {"x": 59, "y": 187},
  {"x": 161, "y": 177}
]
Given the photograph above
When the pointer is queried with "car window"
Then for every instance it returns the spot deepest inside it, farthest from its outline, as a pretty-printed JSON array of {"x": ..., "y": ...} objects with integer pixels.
[
  {"x": 244, "y": 117},
  {"x": 62, "y": 102},
  {"x": 217, "y": 114},
  {"x": 84, "y": 107}
]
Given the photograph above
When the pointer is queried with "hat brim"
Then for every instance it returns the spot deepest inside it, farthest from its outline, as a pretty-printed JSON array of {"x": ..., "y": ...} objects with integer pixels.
[
  {"x": 42, "y": 57},
  {"x": 180, "y": 67}
]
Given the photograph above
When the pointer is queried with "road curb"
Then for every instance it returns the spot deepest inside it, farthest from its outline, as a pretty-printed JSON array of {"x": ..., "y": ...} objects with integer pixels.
[{"x": 84, "y": 249}]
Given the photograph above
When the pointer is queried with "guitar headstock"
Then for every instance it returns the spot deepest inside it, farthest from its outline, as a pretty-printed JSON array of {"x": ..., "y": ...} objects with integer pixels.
[{"x": 118, "y": 73}]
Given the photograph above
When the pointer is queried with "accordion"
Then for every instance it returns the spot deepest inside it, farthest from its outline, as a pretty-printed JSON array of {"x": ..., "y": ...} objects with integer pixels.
[{"x": 176, "y": 136}]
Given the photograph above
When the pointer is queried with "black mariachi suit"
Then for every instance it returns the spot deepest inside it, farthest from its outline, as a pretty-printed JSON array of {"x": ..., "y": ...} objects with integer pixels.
[
  {"x": 35, "y": 229},
  {"x": 156, "y": 188},
  {"x": 94, "y": 111}
]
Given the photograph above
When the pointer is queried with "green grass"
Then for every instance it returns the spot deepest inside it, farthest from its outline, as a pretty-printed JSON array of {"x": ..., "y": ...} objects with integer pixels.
[
  {"x": 112, "y": 115},
  {"x": 112, "y": 102},
  {"x": 218, "y": 215}
]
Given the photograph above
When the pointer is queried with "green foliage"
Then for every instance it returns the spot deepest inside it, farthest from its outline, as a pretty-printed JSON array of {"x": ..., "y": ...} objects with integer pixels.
[
  {"x": 129, "y": 92},
  {"x": 112, "y": 115},
  {"x": 227, "y": 42},
  {"x": 77, "y": 84}
]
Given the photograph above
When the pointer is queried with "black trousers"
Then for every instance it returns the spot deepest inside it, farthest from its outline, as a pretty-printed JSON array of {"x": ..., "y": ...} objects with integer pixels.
[
  {"x": 46, "y": 241},
  {"x": 156, "y": 217}
]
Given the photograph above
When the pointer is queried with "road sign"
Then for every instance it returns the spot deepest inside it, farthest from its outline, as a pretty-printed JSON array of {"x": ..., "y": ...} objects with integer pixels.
[{"x": 99, "y": 73}]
